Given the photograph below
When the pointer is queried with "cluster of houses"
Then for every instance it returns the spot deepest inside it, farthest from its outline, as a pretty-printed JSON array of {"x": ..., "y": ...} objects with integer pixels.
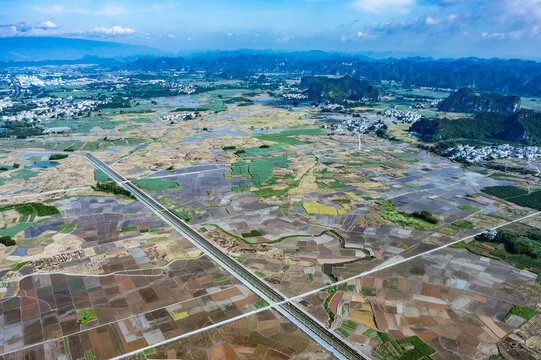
[
  {"x": 295, "y": 96},
  {"x": 26, "y": 81},
  {"x": 51, "y": 108},
  {"x": 185, "y": 116},
  {"x": 435, "y": 102},
  {"x": 505, "y": 151},
  {"x": 406, "y": 116},
  {"x": 184, "y": 88},
  {"x": 180, "y": 87},
  {"x": 490, "y": 233},
  {"x": 330, "y": 107},
  {"x": 357, "y": 126},
  {"x": 5, "y": 103},
  {"x": 22, "y": 116}
]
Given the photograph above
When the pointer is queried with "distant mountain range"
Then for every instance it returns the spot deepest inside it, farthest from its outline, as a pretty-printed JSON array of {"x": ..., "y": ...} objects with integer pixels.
[
  {"x": 520, "y": 77},
  {"x": 486, "y": 75},
  {"x": 56, "y": 48},
  {"x": 466, "y": 101}
]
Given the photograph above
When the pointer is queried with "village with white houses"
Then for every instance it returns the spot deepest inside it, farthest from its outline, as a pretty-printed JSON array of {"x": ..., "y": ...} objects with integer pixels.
[
  {"x": 504, "y": 151},
  {"x": 184, "y": 116},
  {"x": 407, "y": 116},
  {"x": 44, "y": 109}
]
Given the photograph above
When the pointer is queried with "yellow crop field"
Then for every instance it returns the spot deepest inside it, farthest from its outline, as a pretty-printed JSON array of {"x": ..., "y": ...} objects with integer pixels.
[
  {"x": 177, "y": 316},
  {"x": 364, "y": 316},
  {"x": 317, "y": 208}
]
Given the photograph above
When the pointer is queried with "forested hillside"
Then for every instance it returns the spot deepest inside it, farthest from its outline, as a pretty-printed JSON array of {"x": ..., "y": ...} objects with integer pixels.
[
  {"x": 523, "y": 126},
  {"x": 482, "y": 75}
]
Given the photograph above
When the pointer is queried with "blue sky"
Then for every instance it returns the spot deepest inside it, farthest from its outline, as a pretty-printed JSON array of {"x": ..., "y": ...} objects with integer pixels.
[{"x": 439, "y": 28}]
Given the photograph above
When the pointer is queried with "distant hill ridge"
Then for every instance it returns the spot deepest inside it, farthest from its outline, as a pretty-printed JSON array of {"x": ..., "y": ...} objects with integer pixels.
[
  {"x": 482, "y": 75},
  {"x": 466, "y": 101},
  {"x": 338, "y": 89},
  {"x": 56, "y": 48}
]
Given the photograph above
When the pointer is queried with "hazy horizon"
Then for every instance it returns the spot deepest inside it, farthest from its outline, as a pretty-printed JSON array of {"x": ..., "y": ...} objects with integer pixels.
[{"x": 427, "y": 28}]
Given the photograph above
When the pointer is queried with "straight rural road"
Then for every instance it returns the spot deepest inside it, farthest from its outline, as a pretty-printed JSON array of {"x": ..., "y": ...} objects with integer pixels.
[{"x": 312, "y": 327}]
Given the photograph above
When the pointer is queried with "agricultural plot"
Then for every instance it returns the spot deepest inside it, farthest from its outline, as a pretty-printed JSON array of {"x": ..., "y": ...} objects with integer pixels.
[
  {"x": 280, "y": 190},
  {"x": 298, "y": 206},
  {"x": 77, "y": 223},
  {"x": 201, "y": 141},
  {"x": 257, "y": 335},
  {"x": 121, "y": 312},
  {"x": 156, "y": 184},
  {"x": 33, "y": 172},
  {"x": 453, "y": 302},
  {"x": 144, "y": 283}
]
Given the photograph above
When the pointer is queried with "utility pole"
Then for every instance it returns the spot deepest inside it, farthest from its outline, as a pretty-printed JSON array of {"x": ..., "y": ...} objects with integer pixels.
[{"x": 359, "y": 137}]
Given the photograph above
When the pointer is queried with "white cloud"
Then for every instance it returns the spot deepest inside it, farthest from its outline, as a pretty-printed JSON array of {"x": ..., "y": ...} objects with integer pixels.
[
  {"x": 499, "y": 36},
  {"x": 109, "y": 10},
  {"x": 364, "y": 35},
  {"x": 431, "y": 21},
  {"x": 229, "y": 34},
  {"x": 8, "y": 30},
  {"x": 48, "y": 25},
  {"x": 115, "y": 30},
  {"x": 189, "y": 38},
  {"x": 515, "y": 34},
  {"x": 26, "y": 29},
  {"x": 112, "y": 10},
  {"x": 529, "y": 9},
  {"x": 171, "y": 36},
  {"x": 357, "y": 35},
  {"x": 378, "y": 6},
  {"x": 285, "y": 38}
]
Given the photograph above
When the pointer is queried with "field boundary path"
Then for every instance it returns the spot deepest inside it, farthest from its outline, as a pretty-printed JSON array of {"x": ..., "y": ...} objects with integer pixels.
[{"x": 335, "y": 345}]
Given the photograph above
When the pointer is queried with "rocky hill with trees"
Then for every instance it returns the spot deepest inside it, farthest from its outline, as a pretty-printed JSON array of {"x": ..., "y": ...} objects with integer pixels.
[
  {"x": 465, "y": 100},
  {"x": 523, "y": 126},
  {"x": 338, "y": 89}
]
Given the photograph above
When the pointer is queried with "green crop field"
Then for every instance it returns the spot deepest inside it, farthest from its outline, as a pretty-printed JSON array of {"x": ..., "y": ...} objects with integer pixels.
[
  {"x": 261, "y": 303},
  {"x": 99, "y": 175},
  {"x": 86, "y": 315},
  {"x": 24, "y": 174},
  {"x": 467, "y": 208},
  {"x": 253, "y": 233},
  {"x": 12, "y": 231},
  {"x": 505, "y": 192},
  {"x": 260, "y": 168},
  {"x": 421, "y": 349},
  {"x": 406, "y": 220},
  {"x": 287, "y": 137},
  {"x": 522, "y": 311},
  {"x": 32, "y": 208},
  {"x": 260, "y": 151},
  {"x": 156, "y": 184},
  {"x": 18, "y": 266},
  {"x": 465, "y": 225}
]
